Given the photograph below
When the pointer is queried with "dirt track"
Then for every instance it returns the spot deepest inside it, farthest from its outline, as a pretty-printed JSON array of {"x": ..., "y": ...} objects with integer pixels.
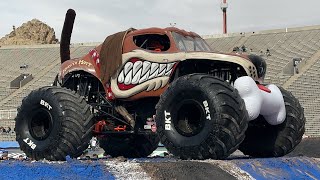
[
  {"x": 308, "y": 147},
  {"x": 185, "y": 170}
]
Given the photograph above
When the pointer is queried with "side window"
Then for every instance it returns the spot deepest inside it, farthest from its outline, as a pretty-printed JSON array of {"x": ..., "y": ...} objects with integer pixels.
[{"x": 153, "y": 42}]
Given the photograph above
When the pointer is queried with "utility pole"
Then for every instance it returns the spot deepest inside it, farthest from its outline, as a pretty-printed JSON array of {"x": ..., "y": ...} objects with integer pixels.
[{"x": 224, "y": 6}]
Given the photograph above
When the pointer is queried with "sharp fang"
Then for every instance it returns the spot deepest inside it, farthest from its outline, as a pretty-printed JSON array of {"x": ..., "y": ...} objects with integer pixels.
[
  {"x": 136, "y": 66},
  {"x": 127, "y": 68},
  {"x": 158, "y": 85},
  {"x": 169, "y": 67},
  {"x": 121, "y": 77},
  {"x": 168, "y": 73},
  {"x": 146, "y": 67},
  {"x": 162, "y": 67},
  {"x": 155, "y": 74},
  {"x": 136, "y": 78},
  {"x": 151, "y": 86},
  {"x": 144, "y": 78},
  {"x": 161, "y": 73},
  {"x": 128, "y": 78},
  {"x": 154, "y": 67}
]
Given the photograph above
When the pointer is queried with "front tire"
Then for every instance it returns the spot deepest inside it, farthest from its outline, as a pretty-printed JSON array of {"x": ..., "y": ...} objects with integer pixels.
[
  {"x": 265, "y": 140},
  {"x": 52, "y": 123},
  {"x": 201, "y": 117}
]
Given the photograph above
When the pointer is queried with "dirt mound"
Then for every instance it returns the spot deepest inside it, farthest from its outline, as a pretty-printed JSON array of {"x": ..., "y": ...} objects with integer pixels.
[{"x": 32, "y": 32}]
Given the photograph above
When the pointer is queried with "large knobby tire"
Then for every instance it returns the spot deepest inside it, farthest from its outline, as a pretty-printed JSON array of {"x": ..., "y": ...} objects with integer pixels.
[
  {"x": 265, "y": 140},
  {"x": 201, "y": 117},
  {"x": 52, "y": 123},
  {"x": 130, "y": 146}
]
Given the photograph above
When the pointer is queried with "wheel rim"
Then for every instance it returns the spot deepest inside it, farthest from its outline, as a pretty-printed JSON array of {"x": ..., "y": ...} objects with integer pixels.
[
  {"x": 189, "y": 118},
  {"x": 40, "y": 125}
]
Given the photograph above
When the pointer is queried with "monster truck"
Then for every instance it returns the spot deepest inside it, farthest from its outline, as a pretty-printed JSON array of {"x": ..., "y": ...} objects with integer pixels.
[{"x": 140, "y": 87}]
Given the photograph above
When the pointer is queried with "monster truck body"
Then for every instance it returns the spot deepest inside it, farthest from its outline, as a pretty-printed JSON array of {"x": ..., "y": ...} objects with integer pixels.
[
  {"x": 142, "y": 86},
  {"x": 146, "y": 71}
]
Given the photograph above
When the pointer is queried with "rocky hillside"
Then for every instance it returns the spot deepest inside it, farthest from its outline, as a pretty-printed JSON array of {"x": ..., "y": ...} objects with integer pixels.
[{"x": 32, "y": 32}]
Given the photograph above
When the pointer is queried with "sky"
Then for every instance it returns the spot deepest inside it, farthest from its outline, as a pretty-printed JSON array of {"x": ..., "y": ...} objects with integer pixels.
[{"x": 96, "y": 19}]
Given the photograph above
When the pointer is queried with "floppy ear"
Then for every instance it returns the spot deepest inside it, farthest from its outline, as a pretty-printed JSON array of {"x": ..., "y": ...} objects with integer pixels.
[
  {"x": 251, "y": 94},
  {"x": 273, "y": 108}
]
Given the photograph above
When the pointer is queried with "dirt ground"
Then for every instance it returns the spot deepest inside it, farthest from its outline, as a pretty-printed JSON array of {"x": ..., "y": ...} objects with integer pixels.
[
  {"x": 185, "y": 170},
  {"x": 309, "y": 147}
]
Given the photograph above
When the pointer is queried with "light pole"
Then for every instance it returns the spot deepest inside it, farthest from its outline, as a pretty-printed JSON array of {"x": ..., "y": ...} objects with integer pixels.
[{"x": 224, "y": 6}]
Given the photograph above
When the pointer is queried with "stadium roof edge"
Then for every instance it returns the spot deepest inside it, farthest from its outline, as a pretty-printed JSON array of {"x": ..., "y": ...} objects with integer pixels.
[
  {"x": 282, "y": 30},
  {"x": 47, "y": 45}
]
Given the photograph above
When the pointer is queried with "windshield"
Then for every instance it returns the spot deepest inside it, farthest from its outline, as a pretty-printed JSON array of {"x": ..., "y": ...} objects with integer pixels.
[{"x": 188, "y": 43}]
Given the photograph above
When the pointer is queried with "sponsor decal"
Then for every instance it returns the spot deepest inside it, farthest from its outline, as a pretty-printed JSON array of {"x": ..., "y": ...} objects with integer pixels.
[
  {"x": 30, "y": 143},
  {"x": 69, "y": 66},
  {"x": 86, "y": 63},
  {"x": 206, "y": 107},
  {"x": 45, "y": 104},
  {"x": 167, "y": 117},
  {"x": 80, "y": 62}
]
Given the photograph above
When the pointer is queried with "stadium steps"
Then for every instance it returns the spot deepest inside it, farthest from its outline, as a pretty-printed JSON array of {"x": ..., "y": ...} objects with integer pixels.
[
  {"x": 309, "y": 63},
  {"x": 19, "y": 91},
  {"x": 43, "y": 76}
]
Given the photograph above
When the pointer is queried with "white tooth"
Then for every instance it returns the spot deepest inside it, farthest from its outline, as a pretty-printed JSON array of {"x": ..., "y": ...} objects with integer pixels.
[
  {"x": 136, "y": 78},
  {"x": 168, "y": 73},
  {"x": 158, "y": 85},
  {"x": 155, "y": 74},
  {"x": 154, "y": 67},
  {"x": 151, "y": 86},
  {"x": 146, "y": 67},
  {"x": 128, "y": 78},
  {"x": 144, "y": 78},
  {"x": 169, "y": 67},
  {"x": 161, "y": 73},
  {"x": 164, "y": 82},
  {"x": 127, "y": 68},
  {"x": 121, "y": 77},
  {"x": 162, "y": 67},
  {"x": 136, "y": 66}
]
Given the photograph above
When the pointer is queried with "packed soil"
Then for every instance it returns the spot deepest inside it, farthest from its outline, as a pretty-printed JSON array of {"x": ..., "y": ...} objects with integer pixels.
[
  {"x": 184, "y": 170},
  {"x": 309, "y": 147}
]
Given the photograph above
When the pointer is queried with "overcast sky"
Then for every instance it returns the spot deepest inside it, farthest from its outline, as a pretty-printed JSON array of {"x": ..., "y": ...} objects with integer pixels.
[{"x": 98, "y": 18}]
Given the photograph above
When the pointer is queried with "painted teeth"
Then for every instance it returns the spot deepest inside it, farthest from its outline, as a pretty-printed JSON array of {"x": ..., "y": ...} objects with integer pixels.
[
  {"x": 154, "y": 67},
  {"x": 127, "y": 68},
  {"x": 141, "y": 71}
]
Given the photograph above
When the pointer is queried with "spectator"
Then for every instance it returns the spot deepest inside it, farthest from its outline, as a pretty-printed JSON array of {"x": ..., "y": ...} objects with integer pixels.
[
  {"x": 268, "y": 52},
  {"x": 93, "y": 143},
  {"x": 21, "y": 158},
  {"x": 243, "y": 48},
  {"x": 4, "y": 156},
  {"x": 9, "y": 130},
  {"x": 2, "y": 130},
  {"x": 95, "y": 156},
  {"x": 236, "y": 49}
]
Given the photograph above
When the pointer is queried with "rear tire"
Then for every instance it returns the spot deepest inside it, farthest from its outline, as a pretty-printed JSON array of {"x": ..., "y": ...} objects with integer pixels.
[
  {"x": 130, "y": 146},
  {"x": 52, "y": 123},
  {"x": 201, "y": 117},
  {"x": 265, "y": 140}
]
